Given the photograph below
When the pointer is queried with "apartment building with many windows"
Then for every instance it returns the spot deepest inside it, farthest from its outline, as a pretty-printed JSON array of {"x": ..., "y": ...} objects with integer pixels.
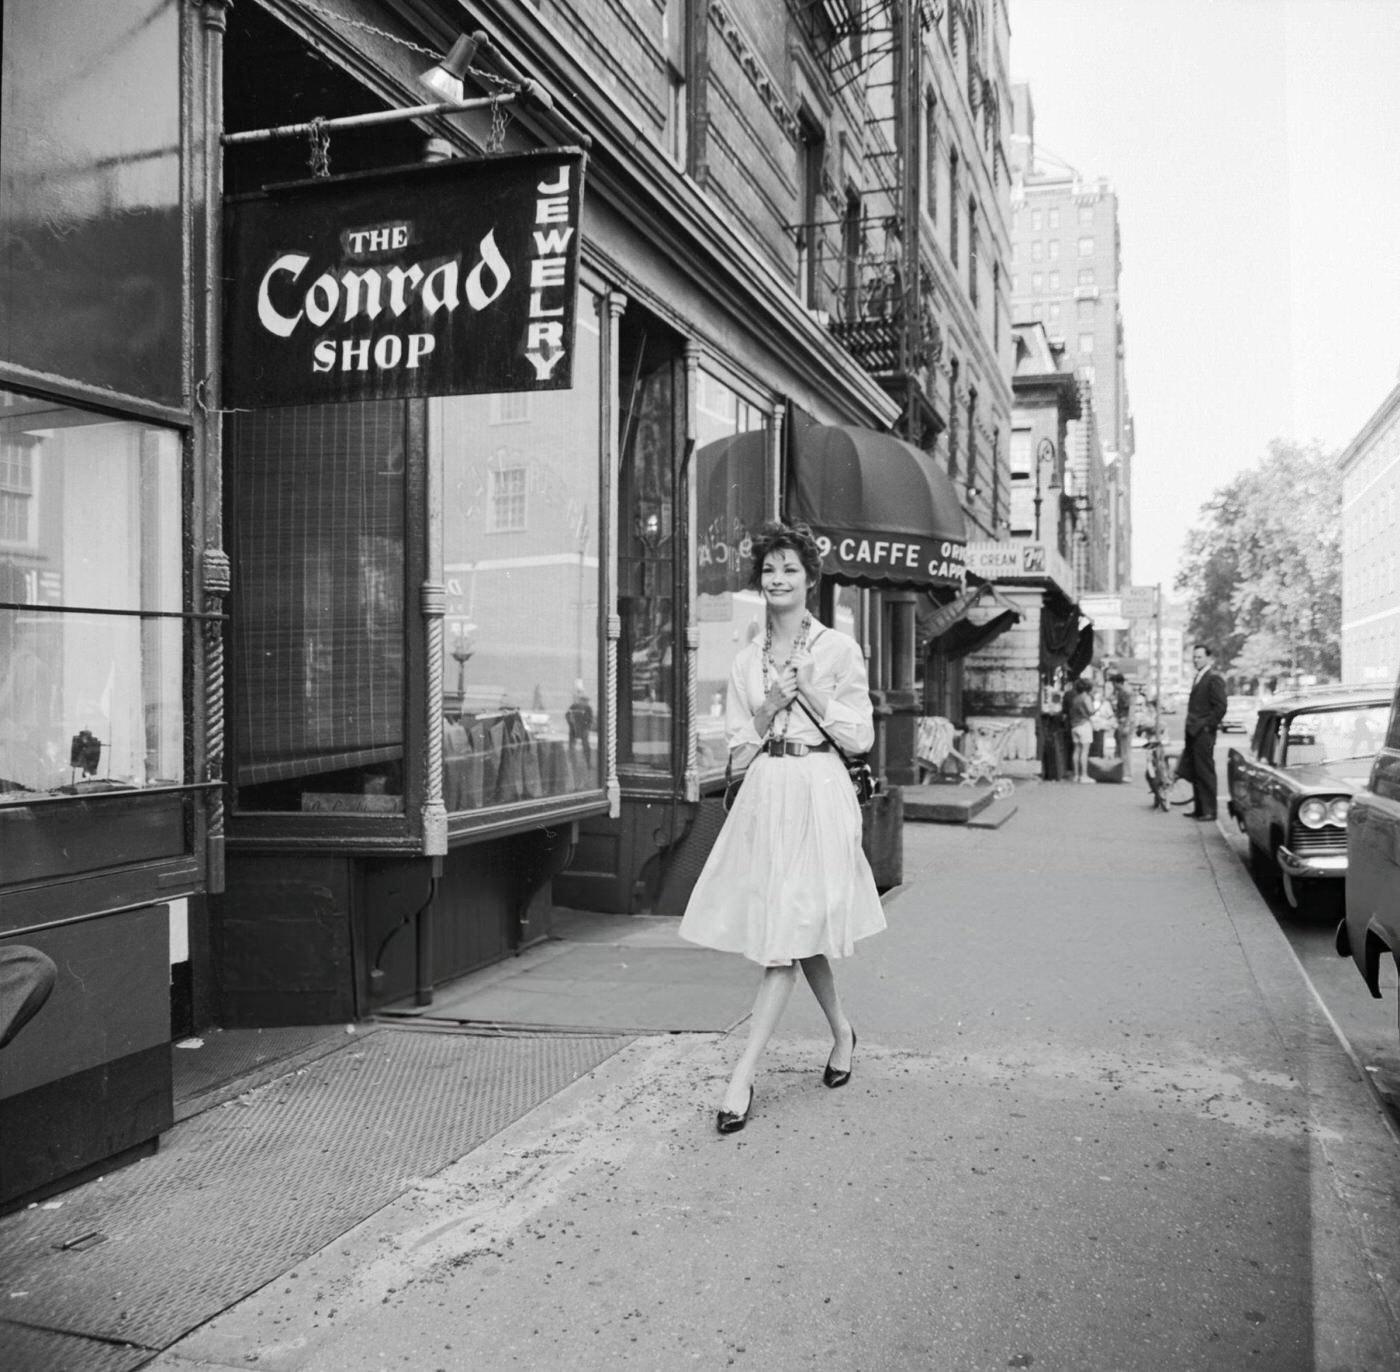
[
  {"x": 1066, "y": 261},
  {"x": 1370, "y": 538}
]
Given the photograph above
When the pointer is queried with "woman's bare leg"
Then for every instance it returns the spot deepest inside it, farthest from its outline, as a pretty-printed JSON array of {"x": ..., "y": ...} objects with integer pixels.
[
  {"x": 820, "y": 978},
  {"x": 768, "y": 1007}
]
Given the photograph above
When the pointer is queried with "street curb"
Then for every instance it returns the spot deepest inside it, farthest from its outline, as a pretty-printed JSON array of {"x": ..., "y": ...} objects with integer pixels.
[{"x": 1352, "y": 1138}]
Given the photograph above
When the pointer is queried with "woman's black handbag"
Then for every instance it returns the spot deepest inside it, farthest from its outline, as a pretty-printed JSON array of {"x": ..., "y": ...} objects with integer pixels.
[{"x": 857, "y": 768}]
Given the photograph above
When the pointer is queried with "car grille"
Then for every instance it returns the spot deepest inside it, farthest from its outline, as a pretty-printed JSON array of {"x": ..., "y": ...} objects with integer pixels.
[{"x": 1331, "y": 839}]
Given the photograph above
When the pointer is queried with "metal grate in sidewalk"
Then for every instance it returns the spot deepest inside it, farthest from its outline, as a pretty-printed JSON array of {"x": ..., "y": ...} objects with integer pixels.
[{"x": 242, "y": 1192}]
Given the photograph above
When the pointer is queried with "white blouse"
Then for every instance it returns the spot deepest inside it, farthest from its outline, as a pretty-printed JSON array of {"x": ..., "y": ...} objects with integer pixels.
[{"x": 839, "y": 672}]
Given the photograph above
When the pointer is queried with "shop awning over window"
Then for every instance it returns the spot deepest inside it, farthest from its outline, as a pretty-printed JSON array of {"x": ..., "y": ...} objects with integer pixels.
[
  {"x": 966, "y": 637},
  {"x": 887, "y": 516},
  {"x": 954, "y": 635}
]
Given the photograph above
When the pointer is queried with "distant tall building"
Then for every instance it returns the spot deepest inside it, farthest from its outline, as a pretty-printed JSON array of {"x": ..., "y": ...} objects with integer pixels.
[
  {"x": 1065, "y": 263},
  {"x": 1370, "y": 470}
]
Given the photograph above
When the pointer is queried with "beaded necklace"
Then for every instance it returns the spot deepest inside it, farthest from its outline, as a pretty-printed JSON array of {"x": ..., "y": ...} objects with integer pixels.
[{"x": 771, "y": 668}]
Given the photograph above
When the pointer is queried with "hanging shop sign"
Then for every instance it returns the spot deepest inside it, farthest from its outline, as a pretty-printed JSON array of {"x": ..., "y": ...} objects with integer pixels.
[{"x": 456, "y": 278}]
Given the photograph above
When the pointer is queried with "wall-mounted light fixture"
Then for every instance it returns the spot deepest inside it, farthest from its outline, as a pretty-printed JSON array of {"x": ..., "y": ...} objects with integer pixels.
[{"x": 445, "y": 79}]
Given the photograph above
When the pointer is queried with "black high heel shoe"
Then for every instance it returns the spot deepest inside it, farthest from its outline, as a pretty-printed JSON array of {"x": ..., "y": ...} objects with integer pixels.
[
  {"x": 727, "y": 1122},
  {"x": 831, "y": 1077}
]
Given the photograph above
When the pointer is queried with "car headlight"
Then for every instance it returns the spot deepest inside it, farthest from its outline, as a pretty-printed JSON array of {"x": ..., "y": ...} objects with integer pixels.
[
  {"x": 1338, "y": 811},
  {"x": 1313, "y": 812}
]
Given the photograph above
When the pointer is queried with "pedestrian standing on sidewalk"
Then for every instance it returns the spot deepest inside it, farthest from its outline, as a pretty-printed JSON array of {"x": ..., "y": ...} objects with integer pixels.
[
  {"x": 1081, "y": 726},
  {"x": 787, "y": 883},
  {"x": 1205, "y": 708},
  {"x": 1123, "y": 723}
]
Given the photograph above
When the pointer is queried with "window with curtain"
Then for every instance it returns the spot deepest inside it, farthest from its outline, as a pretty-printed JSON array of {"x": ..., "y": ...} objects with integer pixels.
[
  {"x": 733, "y": 440},
  {"x": 318, "y": 608},
  {"x": 92, "y": 631},
  {"x": 521, "y": 567}
]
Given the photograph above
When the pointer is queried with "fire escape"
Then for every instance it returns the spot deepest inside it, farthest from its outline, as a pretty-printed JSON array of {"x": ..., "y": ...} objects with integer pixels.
[{"x": 882, "y": 309}]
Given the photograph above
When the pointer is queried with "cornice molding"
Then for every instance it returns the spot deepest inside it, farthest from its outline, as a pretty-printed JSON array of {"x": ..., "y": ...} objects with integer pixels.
[{"x": 759, "y": 76}]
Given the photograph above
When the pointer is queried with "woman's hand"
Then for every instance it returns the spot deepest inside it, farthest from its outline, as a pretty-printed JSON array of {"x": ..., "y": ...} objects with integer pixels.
[{"x": 780, "y": 696}]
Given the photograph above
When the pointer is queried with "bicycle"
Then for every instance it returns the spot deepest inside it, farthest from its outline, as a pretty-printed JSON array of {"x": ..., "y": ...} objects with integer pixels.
[{"x": 1167, "y": 788}]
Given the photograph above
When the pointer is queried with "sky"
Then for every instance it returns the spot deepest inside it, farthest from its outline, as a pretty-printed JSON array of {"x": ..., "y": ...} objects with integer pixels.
[{"x": 1255, "y": 149}]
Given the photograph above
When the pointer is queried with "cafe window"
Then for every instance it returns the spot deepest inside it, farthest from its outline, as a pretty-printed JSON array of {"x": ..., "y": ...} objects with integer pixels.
[
  {"x": 733, "y": 439},
  {"x": 92, "y": 621},
  {"x": 318, "y": 606},
  {"x": 521, "y": 568}
]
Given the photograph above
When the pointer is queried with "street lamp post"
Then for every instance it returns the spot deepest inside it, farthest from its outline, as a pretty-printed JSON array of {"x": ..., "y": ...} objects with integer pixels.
[{"x": 462, "y": 649}]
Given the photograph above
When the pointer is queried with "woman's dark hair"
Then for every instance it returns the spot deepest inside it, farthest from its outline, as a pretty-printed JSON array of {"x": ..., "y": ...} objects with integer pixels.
[{"x": 797, "y": 538}]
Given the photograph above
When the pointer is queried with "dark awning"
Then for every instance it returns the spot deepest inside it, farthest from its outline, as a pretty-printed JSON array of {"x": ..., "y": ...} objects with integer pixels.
[
  {"x": 886, "y": 515},
  {"x": 965, "y": 637}
]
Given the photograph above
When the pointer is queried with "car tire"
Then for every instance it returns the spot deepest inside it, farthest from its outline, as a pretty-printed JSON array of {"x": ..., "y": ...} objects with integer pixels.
[{"x": 1265, "y": 869}]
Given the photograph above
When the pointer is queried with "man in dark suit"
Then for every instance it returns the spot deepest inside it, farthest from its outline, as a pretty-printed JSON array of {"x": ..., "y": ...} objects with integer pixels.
[{"x": 1204, "y": 711}]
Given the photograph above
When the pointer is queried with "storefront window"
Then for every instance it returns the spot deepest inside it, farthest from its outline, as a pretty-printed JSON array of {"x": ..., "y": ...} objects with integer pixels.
[
  {"x": 318, "y": 607},
  {"x": 520, "y": 560},
  {"x": 91, "y": 599},
  {"x": 91, "y": 268},
  {"x": 731, "y": 469},
  {"x": 646, "y": 687}
]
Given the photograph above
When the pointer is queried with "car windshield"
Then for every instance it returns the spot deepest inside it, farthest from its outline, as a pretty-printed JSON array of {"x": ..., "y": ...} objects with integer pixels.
[{"x": 1351, "y": 733}]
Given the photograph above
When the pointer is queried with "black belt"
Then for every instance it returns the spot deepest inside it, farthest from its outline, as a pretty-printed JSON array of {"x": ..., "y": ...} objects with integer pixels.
[{"x": 784, "y": 747}]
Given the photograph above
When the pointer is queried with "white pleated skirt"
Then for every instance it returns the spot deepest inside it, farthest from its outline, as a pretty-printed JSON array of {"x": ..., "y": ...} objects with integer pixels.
[{"x": 787, "y": 877}]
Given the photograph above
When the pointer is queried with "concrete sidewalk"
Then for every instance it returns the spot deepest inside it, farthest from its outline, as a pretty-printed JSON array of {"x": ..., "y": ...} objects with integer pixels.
[{"x": 1097, "y": 1121}]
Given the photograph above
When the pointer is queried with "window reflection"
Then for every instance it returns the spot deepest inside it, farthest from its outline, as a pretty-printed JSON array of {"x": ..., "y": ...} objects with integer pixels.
[
  {"x": 646, "y": 551},
  {"x": 731, "y": 467},
  {"x": 318, "y": 607},
  {"x": 520, "y": 555},
  {"x": 90, "y": 519},
  {"x": 91, "y": 271}
]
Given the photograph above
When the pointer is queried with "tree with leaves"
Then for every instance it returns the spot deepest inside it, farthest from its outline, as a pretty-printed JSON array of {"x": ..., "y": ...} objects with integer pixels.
[{"x": 1262, "y": 568}]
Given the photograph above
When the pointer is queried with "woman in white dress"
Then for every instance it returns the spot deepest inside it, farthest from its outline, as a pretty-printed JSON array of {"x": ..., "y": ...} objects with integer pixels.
[{"x": 787, "y": 883}]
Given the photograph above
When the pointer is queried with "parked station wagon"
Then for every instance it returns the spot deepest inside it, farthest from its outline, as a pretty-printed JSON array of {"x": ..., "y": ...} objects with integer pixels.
[
  {"x": 1292, "y": 789},
  {"x": 1372, "y": 923}
]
